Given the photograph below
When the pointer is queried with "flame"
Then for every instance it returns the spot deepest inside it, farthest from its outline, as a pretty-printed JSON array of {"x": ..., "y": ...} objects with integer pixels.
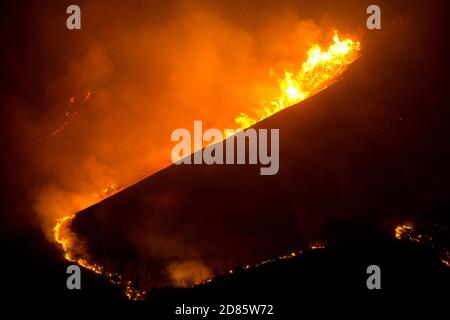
[
  {"x": 73, "y": 251},
  {"x": 319, "y": 70},
  {"x": 401, "y": 230},
  {"x": 67, "y": 241}
]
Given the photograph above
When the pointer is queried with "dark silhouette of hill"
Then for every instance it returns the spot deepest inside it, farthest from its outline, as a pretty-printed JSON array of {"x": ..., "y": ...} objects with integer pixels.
[{"x": 322, "y": 276}]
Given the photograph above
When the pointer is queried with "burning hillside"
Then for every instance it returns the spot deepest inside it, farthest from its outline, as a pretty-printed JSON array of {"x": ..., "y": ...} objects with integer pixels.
[
  {"x": 335, "y": 146},
  {"x": 316, "y": 73}
]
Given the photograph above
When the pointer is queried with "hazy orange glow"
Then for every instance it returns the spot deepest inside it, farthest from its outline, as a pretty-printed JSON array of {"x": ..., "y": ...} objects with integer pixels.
[
  {"x": 319, "y": 70},
  {"x": 67, "y": 241}
]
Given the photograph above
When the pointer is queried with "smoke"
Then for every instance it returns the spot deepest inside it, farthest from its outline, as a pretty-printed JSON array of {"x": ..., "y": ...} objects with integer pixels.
[
  {"x": 92, "y": 111},
  {"x": 188, "y": 273}
]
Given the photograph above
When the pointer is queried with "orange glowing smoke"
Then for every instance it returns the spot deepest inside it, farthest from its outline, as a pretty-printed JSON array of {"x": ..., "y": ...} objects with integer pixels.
[
  {"x": 319, "y": 70},
  {"x": 189, "y": 273}
]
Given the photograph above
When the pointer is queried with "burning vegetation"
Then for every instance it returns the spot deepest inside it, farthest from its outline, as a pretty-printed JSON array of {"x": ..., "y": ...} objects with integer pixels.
[
  {"x": 74, "y": 251},
  {"x": 319, "y": 70}
]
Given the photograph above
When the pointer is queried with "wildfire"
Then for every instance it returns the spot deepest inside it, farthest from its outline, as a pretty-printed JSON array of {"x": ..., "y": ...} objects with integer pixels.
[
  {"x": 401, "y": 230},
  {"x": 67, "y": 240},
  {"x": 319, "y": 70}
]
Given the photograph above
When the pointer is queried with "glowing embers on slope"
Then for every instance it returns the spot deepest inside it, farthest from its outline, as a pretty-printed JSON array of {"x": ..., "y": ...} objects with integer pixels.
[
  {"x": 407, "y": 231},
  {"x": 68, "y": 242},
  {"x": 74, "y": 107},
  {"x": 403, "y": 231},
  {"x": 319, "y": 70},
  {"x": 315, "y": 246}
]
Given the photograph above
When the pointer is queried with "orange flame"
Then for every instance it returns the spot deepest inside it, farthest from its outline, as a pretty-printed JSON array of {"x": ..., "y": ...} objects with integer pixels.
[
  {"x": 67, "y": 241},
  {"x": 319, "y": 70},
  {"x": 401, "y": 230},
  {"x": 73, "y": 251}
]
